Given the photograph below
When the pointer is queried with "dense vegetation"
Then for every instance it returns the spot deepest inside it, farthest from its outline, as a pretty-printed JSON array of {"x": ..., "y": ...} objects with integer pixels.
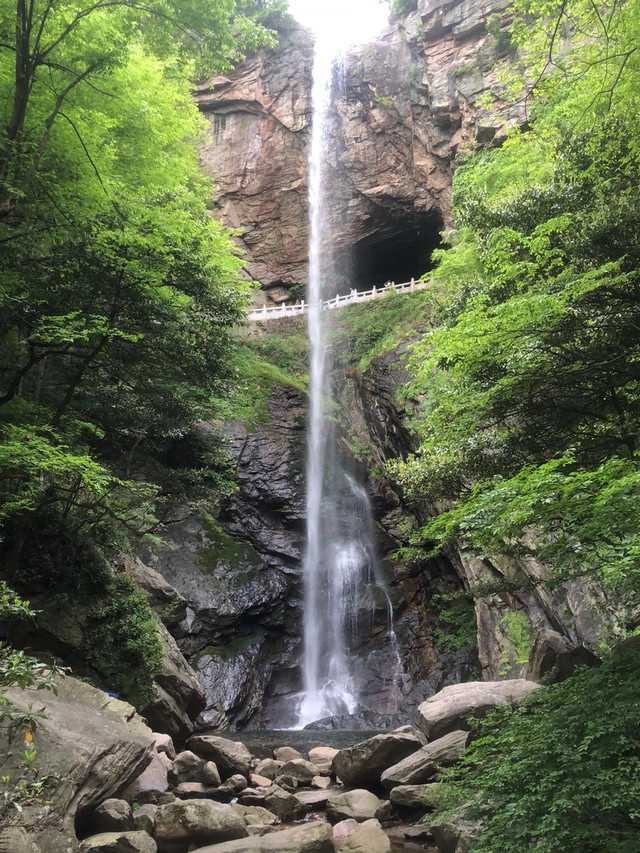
[
  {"x": 531, "y": 412},
  {"x": 119, "y": 293}
]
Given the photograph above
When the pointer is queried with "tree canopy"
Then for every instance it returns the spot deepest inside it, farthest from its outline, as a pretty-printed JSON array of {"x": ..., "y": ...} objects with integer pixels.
[{"x": 118, "y": 288}]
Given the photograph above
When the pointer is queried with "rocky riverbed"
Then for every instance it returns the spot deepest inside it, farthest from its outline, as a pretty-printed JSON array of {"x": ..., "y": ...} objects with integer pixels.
[{"x": 118, "y": 787}]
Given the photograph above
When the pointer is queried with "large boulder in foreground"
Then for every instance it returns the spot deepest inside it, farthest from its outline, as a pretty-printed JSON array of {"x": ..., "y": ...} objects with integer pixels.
[
  {"x": 93, "y": 744},
  {"x": 422, "y": 766},
  {"x": 363, "y": 763},
  {"x": 180, "y": 825},
  {"x": 450, "y": 708},
  {"x": 308, "y": 838}
]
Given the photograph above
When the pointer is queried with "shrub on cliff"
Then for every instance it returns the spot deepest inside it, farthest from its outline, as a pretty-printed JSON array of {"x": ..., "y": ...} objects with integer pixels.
[{"x": 561, "y": 772}]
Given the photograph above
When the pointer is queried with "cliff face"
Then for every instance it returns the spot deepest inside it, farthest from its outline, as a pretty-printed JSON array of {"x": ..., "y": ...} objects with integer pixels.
[{"x": 406, "y": 106}]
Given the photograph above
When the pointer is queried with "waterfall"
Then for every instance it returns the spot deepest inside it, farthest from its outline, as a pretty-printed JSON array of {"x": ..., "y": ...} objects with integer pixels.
[{"x": 340, "y": 564}]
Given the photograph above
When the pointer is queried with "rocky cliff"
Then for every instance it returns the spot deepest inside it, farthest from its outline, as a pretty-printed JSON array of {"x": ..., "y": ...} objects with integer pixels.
[{"x": 407, "y": 105}]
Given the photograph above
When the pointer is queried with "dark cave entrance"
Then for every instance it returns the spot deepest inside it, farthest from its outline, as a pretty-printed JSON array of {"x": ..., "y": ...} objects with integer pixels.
[{"x": 399, "y": 251}]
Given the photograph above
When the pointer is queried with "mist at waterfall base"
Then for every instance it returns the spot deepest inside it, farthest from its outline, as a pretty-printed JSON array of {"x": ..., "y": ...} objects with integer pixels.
[{"x": 343, "y": 585}]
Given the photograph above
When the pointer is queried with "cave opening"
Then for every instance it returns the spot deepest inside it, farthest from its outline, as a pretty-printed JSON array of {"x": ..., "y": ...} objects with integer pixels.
[{"x": 399, "y": 251}]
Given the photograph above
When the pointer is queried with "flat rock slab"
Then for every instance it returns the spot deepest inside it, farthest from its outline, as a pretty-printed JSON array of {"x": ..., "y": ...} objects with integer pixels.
[
  {"x": 314, "y": 799},
  {"x": 363, "y": 763},
  {"x": 422, "y": 766},
  {"x": 119, "y": 842},
  {"x": 451, "y": 707},
  {"x": 307, "y": 838}
]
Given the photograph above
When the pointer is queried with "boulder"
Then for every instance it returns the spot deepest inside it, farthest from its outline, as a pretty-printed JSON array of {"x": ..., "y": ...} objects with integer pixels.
[
  {"x": 343, "y": 829},
  {"x": 180, "y": 825},
  {"x": 112, "y": 815},
  {"x": 187, "y": 767},
  {"x": 230, "y": 757},
  {"x": 368, "y": 838},
  {"x": 164, "y": 743},
  {"x": 386, "y": 814},
  {"x": 419, "y": 797},
  {"x": 300, "y": 770},
  {"x": 423, "y": 765},
  {"x": 454, "y": 836},
  {"x": 152, "y": 782},
  {"x": 164, "y": 712},
  {"x": 275, "y": 799},
  {"x": 119, "y": 842},
  {"x": 322, "y": 782},
  {"x": 360, "y": 805},
  {"x": 259, "y": 781},
  {"x": 312, "y": 837},
  {"x": 313, "y": 800},
  {"x": 144, "y": 818},
  {"x": 286, "y": 753},
  {"x": 322, "y": 757},
  {"x": 450, "y": 709},
  {"x": 95, "y": 744},
  {"x": 363, "y": 763},
  {"x": 268, "y": 767}
]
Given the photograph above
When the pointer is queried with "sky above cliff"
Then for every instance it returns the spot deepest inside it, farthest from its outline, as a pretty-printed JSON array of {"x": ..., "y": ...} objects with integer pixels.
[{"x": 344, "y": 21}]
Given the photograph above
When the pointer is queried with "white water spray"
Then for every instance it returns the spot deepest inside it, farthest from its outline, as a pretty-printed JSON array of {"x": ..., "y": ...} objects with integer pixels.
[{"x": 340, "y": 561}]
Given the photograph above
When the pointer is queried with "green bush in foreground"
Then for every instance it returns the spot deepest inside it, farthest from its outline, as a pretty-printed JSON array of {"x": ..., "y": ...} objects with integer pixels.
[{"x": 560, "y": 773}]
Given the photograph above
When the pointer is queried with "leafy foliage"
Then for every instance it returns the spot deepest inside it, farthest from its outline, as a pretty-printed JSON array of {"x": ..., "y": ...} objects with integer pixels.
[
  {"x": 530, "y": 383},
  {"x": 559, "y": 774}
]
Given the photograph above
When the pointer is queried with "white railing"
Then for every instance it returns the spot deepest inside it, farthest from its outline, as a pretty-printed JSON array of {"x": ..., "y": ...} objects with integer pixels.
[{"x": 291, "y": 310}]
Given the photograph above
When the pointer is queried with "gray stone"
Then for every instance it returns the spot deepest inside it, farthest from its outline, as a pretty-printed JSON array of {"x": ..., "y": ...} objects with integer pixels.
[
  {"x": 268, "y": 767},
  {"x": 454, "y": 836},
  {"x": 164, "y": 744},
  {"x": 450, "y": 709},
  {"x": 184, "y": 823},
  {"x": 313, "y": 800},
  {"x": 363, "y": 763},
  {"x": 343, "y": 829},
  {"x": 276, "y": 800},
  {"x": 368, "y": 838},
  {"x": 119, "y": 842},
  {"x": 230, "y": 757},
  {"x": 152, "y": 782},
  {"x": 112, "y": 815},
  {"x": 322, "y": 782},
  {"x": 423, "y": 765},
  {"x": 420, "y": 797},
  {"x": 307, "y": 838},
  {"x": 197, "y": 791},
  {"x": 144, "y": 818},
  {"x": 300, "y": 770},
  {"x": 286, "y": 753},
  {"x": 322, "y": 757},
  {"x": 360, "y": 805}
]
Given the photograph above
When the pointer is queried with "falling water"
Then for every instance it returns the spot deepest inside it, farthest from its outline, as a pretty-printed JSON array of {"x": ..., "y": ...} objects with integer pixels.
[{"x": 340, "y": 565}]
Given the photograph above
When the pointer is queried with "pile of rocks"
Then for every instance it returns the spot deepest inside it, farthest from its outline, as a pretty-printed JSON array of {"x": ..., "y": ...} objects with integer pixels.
[
  {"x": 215, "y": 797},
  {"x": 120, "y": 788}
]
